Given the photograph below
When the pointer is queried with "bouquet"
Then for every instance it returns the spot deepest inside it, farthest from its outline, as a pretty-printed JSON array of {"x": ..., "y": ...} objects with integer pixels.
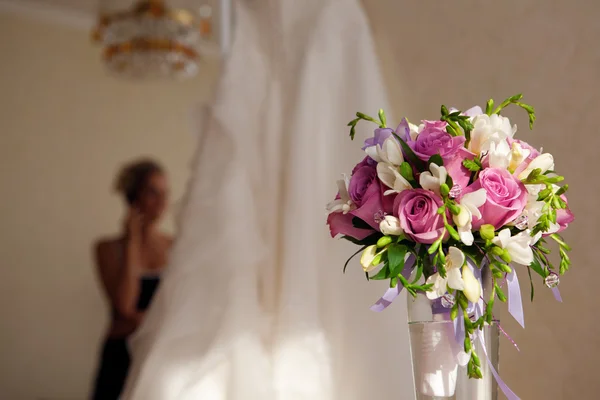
[{"x": 455, "y": 195}]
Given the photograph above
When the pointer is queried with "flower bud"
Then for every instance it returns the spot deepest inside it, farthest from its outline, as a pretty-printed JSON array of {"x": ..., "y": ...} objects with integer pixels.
[
  {"x": 384, "y": 241},
  {"x": 505, "y": 256},
  {"x": 487, "y": 231},
  {"x": 472, "y": 288},
  {"x": 444, "y": 189},
  {"x": 367, "y": 258},
  {"x": 391, "y": 226}
]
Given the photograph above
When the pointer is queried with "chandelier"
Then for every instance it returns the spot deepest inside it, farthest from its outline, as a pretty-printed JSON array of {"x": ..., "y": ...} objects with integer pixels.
[{"x": 150, "y": 39}]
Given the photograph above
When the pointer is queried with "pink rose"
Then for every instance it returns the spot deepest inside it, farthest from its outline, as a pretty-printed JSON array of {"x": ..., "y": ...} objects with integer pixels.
[
  {"x": 366, "y": 193},
  {"x": 506, "y": 197},
  {"x": 341, "y": 224},
  {"x": 434, "y": 139},
  {"x": 363, "y": 176},
  {"x": 417, "y": 211}
]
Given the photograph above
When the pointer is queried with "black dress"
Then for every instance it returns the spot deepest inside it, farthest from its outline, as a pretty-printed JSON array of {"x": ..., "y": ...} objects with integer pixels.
[{"x": 115, "y": 360}]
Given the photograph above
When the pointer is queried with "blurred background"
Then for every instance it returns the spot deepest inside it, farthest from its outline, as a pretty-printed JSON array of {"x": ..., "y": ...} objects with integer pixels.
[{"x": 67, "y": 125}]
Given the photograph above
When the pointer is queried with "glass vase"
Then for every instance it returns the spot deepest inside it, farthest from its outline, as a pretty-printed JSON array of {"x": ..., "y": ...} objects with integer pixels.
[{"x": 437, "y": 374}]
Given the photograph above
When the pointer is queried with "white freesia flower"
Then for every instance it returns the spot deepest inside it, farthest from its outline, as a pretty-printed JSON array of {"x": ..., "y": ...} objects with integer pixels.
[
  {"x": 499, "y": 154},
  {"x": 434, "y": 179},
  {"x": 390, "y": 175},
  {"x": 533, "y": 211},
  {"x": 517, "y": 155},
  {"x": 544, "y": 162},
  {"x": 469, "y": 207},
  {"x": 489, "y": 129},
  {"x": 389, "y": 152},
  {"x": 367, "y": 257},
  {"x": 391, "y": 226},
  {"x": 472, "y": 287},
  {"x": 454, "y": 261},
  {"x": 518, "y": 246},
  {"x": 390, "y": 157},
  {"x": 344, "y": 204}
]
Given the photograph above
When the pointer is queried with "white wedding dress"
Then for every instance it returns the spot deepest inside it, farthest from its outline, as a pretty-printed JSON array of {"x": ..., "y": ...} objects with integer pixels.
[{"x": 254, "y": 305}]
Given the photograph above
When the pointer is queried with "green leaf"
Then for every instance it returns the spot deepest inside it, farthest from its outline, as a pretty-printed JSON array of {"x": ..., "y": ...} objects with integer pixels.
[
  {"x": 466, "y": 125},
  {"x": 396, "y": 254},
  {"x": 419, "y": 273},
  {"x": 436, "y": 159},
  {"x": 360, "y": 224},
  {"x": 384, "y": 273},
  {"x": 471, "y": 165},
  {"x": 531, "y": 283},
  {"x": 351, "y": 257},
  {"x": 410, "y": 154}
]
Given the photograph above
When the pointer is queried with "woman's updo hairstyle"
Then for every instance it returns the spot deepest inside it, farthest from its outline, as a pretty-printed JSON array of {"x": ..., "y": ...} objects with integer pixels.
[{"x": 133, "y": 177}]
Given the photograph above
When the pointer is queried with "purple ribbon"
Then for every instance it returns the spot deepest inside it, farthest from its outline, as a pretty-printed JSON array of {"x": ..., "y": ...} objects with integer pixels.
[
  {"x": 510, "y": 395},
  {"x": 390, "y": 295},
  {"x": 556, "y": 294},
  {"x": 515, "y": 303}
]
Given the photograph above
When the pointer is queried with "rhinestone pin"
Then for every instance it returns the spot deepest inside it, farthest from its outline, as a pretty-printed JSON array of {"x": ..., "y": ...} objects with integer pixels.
[
  {"x": 448, "y": 300},
  {"x": 455, "y": 191},
  {"x": 522, "y": 222},
  {"x": 552, "y": 280}
]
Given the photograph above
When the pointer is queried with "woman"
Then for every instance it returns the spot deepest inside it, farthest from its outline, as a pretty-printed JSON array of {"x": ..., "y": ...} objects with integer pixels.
[{"x": 129, "y": 267}]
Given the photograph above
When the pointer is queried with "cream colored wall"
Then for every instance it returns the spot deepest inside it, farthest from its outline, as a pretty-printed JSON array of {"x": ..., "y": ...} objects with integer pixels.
[
  {"x": 65, "y": 127},
  {"x": 460, "y": 53}
]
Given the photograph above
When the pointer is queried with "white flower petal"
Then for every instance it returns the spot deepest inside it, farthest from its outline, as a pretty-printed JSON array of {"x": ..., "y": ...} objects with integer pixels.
[
  {"x": 373, "y": 153},
  {"x": 439, "y": 286},
  {"x": 429, "y": 182},
  {"x": 463, "y": 218},
  {"x": 466, "y": 236},
  {"x": 501, "y": 240},
  {"x": 455, "y": 258},
  {"x": 455, "y": 280},
  {"x": 474, "y": 199},
  {"x": 393, "y": 152},
  {"x": 544, "y": 162},
  {"x": 386, "y": 174}
]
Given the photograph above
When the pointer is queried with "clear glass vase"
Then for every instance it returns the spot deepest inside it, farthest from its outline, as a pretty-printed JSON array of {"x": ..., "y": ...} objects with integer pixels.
[{"x": 437, "y": 374}]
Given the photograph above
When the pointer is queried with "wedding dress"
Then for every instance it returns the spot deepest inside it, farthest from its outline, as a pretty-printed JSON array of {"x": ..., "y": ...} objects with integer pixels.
[{"x": 254, "y": 305}]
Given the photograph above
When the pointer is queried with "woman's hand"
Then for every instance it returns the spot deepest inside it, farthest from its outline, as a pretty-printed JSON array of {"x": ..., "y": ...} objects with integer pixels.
[{"x": 134, "y": 223}]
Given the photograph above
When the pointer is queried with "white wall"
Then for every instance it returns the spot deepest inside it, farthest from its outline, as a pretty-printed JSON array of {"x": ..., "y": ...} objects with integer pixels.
[{"x": 65, "y": 128}]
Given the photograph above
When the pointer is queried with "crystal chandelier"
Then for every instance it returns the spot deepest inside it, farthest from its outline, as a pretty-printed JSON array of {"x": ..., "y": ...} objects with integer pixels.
[{"x": 150, "y": 39}]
